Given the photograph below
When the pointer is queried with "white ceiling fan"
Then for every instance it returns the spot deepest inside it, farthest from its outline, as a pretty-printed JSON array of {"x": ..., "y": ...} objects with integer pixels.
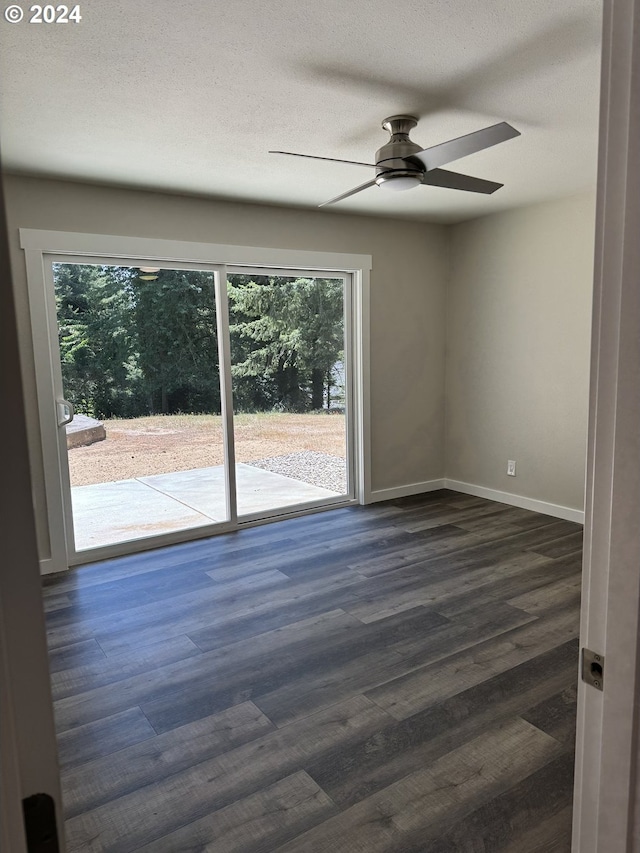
[{"x": 401, "y": 164}]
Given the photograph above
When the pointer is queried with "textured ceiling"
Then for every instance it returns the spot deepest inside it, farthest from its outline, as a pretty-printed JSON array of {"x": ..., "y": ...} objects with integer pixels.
[{"x": 189, "y": 96}]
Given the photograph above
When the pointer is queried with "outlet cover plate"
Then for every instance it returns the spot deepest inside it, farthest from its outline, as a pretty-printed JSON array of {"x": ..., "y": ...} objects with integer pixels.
[{"x": 511, "y": 467}]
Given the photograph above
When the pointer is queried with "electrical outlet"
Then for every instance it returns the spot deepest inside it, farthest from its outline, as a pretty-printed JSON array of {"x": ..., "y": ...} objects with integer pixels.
[{"x": 511, "y": 467}]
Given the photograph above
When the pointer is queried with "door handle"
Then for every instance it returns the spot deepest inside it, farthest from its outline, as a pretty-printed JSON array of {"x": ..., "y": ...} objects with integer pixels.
[{"x": 65, "y": 412}]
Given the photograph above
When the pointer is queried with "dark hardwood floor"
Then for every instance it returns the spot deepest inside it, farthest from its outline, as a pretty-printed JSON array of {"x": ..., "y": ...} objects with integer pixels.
[{"x": 399, "y": 677}]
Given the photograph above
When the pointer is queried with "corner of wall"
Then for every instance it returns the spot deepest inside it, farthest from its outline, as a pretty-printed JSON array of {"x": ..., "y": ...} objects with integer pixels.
[
  {"x": 517, "y": 350},
  {"x": 445, "y": 379}
]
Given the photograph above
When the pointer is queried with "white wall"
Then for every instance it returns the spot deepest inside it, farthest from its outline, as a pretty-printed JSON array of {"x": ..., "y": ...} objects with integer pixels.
[
  {"x": 518, "y": 344},
  {"x": 408, "y": 281}
]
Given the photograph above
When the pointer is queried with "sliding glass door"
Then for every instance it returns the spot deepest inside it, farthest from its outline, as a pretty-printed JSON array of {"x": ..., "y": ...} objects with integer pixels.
[
  {"x": 191, "y": 399},
  {"x": 140, "y": 391},
  {"x": 289, "y": 357}
]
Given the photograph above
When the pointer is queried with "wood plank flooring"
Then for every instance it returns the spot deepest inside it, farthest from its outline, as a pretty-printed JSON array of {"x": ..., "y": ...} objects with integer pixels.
[{"x": 398, "y": 678}]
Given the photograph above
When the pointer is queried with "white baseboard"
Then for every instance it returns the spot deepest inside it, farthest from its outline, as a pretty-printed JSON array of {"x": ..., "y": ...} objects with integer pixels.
[
  {"x": 544, "y": 507},
  {"x": 565, "y": 512},
  {"x": 405, "y": 491}
]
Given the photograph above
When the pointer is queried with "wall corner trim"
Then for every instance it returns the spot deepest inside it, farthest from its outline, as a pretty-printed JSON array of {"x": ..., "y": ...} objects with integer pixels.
[{"x": 544, "y": 507}]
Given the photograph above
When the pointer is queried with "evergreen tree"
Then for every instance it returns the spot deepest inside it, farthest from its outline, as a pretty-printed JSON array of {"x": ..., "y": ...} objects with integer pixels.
[
  {"x": 131, "y": 346},
  {"x": 175, "y": 319},
  {"x": 96, "y": 339},
  {"x": 289, "y": 332}
]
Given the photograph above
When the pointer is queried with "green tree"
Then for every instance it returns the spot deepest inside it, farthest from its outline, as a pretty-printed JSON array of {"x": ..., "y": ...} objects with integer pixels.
[
  {"x": 288, "y": 333},
  {"x": 130, "y": 346},
  {"x": 96, "y": 340},
  {"x": 175, "y": 320}
]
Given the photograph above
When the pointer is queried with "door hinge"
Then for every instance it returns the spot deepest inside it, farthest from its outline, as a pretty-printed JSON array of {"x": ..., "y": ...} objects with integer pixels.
[
  {"x": 40, "y": 824},
  {"x": 593, "y": 668}
]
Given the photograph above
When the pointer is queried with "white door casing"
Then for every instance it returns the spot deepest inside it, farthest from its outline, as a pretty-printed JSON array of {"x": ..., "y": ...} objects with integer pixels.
[
  {"x": 607, "y": 800},
  {"x": 28, "y": 750}
]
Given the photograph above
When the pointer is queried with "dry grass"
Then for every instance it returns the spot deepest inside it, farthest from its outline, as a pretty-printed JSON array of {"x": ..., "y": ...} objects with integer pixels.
[{"x": 160, "y": 444}]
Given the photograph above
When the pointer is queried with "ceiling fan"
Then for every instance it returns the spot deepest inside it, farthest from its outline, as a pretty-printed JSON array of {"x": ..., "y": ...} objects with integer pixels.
[{"x": 402, "y": 165}]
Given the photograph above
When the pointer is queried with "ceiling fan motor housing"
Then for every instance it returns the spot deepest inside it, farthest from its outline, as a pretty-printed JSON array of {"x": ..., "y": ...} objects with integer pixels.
[{"x": 391, "y": 159}]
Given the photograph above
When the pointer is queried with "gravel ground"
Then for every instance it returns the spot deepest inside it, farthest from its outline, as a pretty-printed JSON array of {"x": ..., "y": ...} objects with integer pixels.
[{"x": 319, "y": 469}]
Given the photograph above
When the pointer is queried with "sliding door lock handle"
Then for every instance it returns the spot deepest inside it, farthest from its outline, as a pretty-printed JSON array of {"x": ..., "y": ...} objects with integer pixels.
[{"x": 65, "y": 412}]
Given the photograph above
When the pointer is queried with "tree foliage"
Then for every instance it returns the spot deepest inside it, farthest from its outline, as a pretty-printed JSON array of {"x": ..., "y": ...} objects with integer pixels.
[
  {"x": 131, "y": 346},
  {"x": 177, "y": 342},
  {"x": 97, "y": 341},
  {"x": 288, "y": 334}
]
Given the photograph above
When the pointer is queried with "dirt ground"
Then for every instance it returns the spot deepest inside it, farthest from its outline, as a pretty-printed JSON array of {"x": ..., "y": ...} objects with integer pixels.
[{"x": 160, "y": 444}]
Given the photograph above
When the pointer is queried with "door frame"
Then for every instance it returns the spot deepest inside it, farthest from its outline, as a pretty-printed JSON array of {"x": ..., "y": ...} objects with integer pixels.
[
  {"x": 606, "y": 816},
  {"x": 41, "y": 247},
  {"x": 28, "y": 748}
]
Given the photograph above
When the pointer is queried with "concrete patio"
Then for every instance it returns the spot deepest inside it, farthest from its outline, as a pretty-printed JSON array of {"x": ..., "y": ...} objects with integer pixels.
[{"x": 106, "y": 513}]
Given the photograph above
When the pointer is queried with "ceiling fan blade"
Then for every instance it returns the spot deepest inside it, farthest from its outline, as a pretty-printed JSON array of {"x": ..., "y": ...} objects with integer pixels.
[
  {"x": 330, "y": 159},
  {"x": 347, "y": 194},
  {"x": 456, "y": 181},
  {"x": 455, "y": 149}
]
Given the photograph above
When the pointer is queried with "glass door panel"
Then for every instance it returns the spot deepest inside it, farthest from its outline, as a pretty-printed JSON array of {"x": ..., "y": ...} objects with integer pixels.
[
  {"x": 289, "y": 375},
  {"x": 140, "y": 366}
]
